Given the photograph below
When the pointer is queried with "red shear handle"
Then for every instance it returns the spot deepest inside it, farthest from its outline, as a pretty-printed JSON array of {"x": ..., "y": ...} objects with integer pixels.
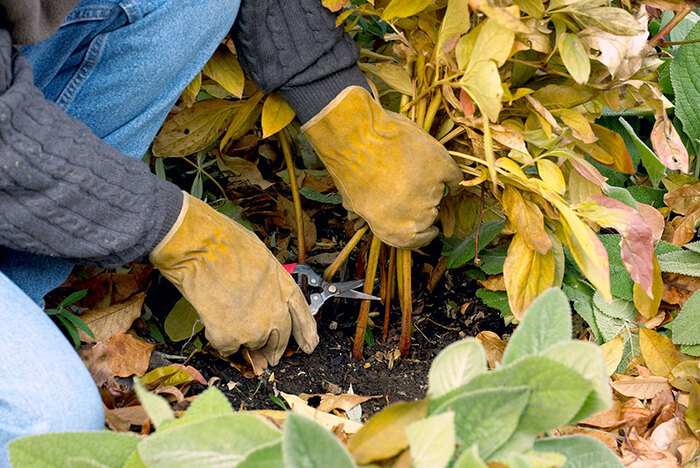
[{"x": 290, "y": 267}]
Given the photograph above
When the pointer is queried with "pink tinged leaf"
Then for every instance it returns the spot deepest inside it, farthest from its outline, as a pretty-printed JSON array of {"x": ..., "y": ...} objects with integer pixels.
[
  {"x": 467, "y": 103},
  {"x": 668, "y": 145},
  {"x": 653, "y": 218},
  {"x": 637, "y": 240},
  {"x": 590, "y": 172}
]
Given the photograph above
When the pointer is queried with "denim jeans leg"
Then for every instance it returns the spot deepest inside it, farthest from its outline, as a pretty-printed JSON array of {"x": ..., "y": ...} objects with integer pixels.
[
  {"x": 44, "y": 386},
  {"x": 119, "y": 67}
]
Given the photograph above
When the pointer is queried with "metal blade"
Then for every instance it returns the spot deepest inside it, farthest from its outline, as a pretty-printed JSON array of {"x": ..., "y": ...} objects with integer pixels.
[{"x": 352, "y": 294}]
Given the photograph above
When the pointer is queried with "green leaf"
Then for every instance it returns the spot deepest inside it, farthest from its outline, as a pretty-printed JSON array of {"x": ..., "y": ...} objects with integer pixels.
[
  {"x": 546, "y": 322},
  {"x": 685, "y": 262},
  {"x": 109, "y": 449},
  {"x": 455, "y": 365},
  {"x": 70, "y": 328},
  {"x": 330, "y": 198},
  {"x": 610, "y": 327},
  {"x": 648, "y": 195},
  {"x": 575, "y": 57},
  {"x": 694, "y": 246},
  {"x": 307, "y": 444},
  {"x": 622, "y": 195},
  {"x": 686, "y": 326},
  {"x": 586, "y": 359},
  {"x": 557, "y": 395},
  {"x": 618, "y": 308},
  {"x": 492, "y": 260},
  {"x": 655, "y": 168},
  {"x": 267, "y": 456},
  {"x": 470, "y": 459},
  {"x": 211, "y": 402},
  {"x": 691, "y": 350},
  {"x": 620, "y": 282},
  {"x": 156, "y": 406},
  {"x": 432, "y": 440},
  {"x": 78, "y": 322},
  {"x": 581, "y": 294},
  {"x": 73, "y": 297},
  {"x": 581, "y": 451},
  {"x": 183, "y": 321},
  {"x": 495, "y": 299},
  {"x": 214, "y": 441},
  {"x": 464, "y": 252},
  {"x": 487, "y": 417},
  {"x": 235, "y": 212},
  {"x": 684, "y": 71}
]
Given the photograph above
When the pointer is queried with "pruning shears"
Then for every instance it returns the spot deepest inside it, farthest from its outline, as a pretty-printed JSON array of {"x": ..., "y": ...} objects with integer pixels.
[{"x": 346, "y": 289}]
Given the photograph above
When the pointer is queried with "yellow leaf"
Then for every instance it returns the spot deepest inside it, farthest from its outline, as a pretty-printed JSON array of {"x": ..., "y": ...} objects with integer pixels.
[
  {"x": 579, "y": 125},
  {"x": 223, "y": 67},
  {"x": 684, "y": 373},
  {"x": 612, "y": 354},
  {"x": 609, "y": 149},
  {"x": 580, "y": 188},
  {"x": 383, "y": 435},
  {"x": 527, "y": 274},
  {"x": 587, "y": 250},
  {"x": 527, "y": 220},
  {"x": 189, "y": 94},
  {"x": 551, "y": 175},
  {"x": 396, "y": 77},
  {"x": 112, "y": 320},
  {"x": 276, "y": 114},
  {"x": 575, "y": 57},
  {"x": 494, "y": 42},
  {"x": 483, "y": 83},
  {"x": 166, "y": 375},
  {"x": 194, "y": 128},
  {"x": 455, "y": 21},
  {"x": 659, "y": 352},
  {"x": 692, "y": 413},
  {"x": 512, "y": 167},
  {"x": 244, "y": 120},
  {"x": 649, "y": 306},
  {"x": 508, "y": 17},
  {"x": 404, "y": 8}
]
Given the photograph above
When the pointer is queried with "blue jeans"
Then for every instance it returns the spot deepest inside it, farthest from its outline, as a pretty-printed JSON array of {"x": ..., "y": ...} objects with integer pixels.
[{"x": 118, "y": 66}]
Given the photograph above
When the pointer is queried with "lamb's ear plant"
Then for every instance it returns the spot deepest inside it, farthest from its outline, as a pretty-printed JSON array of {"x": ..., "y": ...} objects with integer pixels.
[{"x": 472, "y": 415}]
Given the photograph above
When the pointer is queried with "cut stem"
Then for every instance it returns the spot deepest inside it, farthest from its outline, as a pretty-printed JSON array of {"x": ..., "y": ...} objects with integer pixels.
[
  {"x": 404, "y": 265},
  {"x": 391, "y": 275},
  {"x": 344, "y": 253},
  {"x": 287, "y": 151},
  {"x": 677, "y": 18},
  {"x": 371, "y": 272}
]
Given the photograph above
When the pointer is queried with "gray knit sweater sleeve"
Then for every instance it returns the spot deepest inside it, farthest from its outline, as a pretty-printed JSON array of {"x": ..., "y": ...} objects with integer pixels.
[
  {"x": 63, "y": 191},
  {"x": 293, "y": 46}
]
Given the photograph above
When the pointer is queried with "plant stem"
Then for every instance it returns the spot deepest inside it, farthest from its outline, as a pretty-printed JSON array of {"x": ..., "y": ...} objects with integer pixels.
[
  {"x": 426, "y": 91},
  {"x": 677, "y": 18},
  {"x": 435, "y": 102},
  {"x": 344, "y": 253},
  {"x": 223, "y": 192},
  {"x": 404, "y": 265},
  {"x": 663, "y": 43},
  {"x": 298, "y": 214},
  {"x": 374, "y": 55},
  {"x": 477, "y": 260},
  {"x": 371, "y": 272},
  {"x": 390, "y": 277}
]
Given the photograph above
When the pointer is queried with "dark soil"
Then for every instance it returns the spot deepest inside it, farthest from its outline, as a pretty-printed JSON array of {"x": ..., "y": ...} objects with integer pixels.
[{"x": 331, "y": 368}]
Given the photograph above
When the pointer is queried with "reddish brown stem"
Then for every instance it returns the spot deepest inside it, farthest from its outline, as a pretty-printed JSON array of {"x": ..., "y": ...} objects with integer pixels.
[
  {"x": 372, "y": 262},
  {"x": 391, "y": 275},
  {"x": 677, "y": 18},
  {"x": 343, "y": 255},
  {"x": 404, "y": 264}
]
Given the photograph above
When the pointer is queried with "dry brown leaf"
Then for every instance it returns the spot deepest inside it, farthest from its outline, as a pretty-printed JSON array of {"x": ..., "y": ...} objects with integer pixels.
[
  {"x": 493, "y": 345},
  {"x": 668, "y": 432},
  {"x": 127, "y": 355},
  {"x": 256, "y": 359},
  {"x": 344, "y": 401},
  {"x": 121, "y": 419},
  {"x": 641, "y": 453},
  {"x": 243, "y": 169},
  {"x": 688, "y": 449},
  {"x": 112, "y": 320},
  {"x": 329, "y": 421},
  {"x": 605, "y": 419},
  {"x": 286, "y": 211},
  {"x": 643, "y": 388},
  {"x": 493, "y": 283},
  {"x": 605, "y": 437},
  {"x": 678, "y": 288}
]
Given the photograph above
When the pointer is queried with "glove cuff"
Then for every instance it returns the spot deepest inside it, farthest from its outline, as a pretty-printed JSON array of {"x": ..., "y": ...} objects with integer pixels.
[
  {"x": 176, "y": 225},
  {"x": 308, "y": 100}
]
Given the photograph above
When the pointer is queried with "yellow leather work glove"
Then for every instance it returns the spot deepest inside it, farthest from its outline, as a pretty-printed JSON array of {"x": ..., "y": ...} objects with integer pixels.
[
  {"x": 387, "y": 169},
  {"x": 241, "y": 292}
]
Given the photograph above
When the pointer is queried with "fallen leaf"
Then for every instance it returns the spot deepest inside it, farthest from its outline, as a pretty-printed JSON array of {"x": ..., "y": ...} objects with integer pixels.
[
  {"x": 668, "y": 432},
  {"x": 493, "y": 283},
  {"x": 121, "y": 355},
  {"x": 640, "y": 387},
  {"x": 612, "y": 353},
  {"x": 659, "y": 352},
  {"x": 642, "y": 453},
  {"x": 605, "y": 419},
  {"x": 647, "y": 306},
  {"x": 668, "y": 145},
  {"x": 121, "y": 419},
  {"x": 679, "y": 288},
  {"x": 286, "y": 210},
  {"x": 112, "y": 320},
  {"x": 692, "y": 413},
  {"x": 256, "y": 359},
  {"x": 329, "y": 421},
  {"x": 494, "y": 347},
  {"x": 243, "y": 169},
  {"x": 166, "y": 375},
  {"x": 344, "y": 401}
]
